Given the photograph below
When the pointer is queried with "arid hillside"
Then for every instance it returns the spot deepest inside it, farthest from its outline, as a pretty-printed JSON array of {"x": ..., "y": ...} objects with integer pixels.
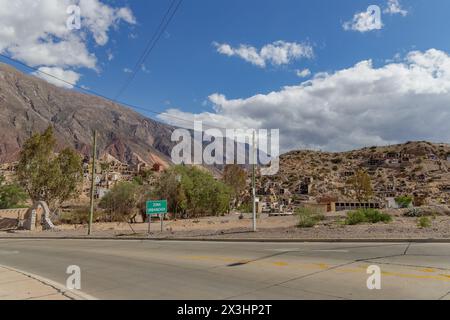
[
  {"x": 414, "y": 168},
  {"x": 29, "y": 105}
]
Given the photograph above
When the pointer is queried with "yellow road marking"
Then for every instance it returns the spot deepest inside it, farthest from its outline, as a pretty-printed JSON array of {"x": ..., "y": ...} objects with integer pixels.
[
  {"x": 324, "y": 266},
  {"x": 429, "y": 270},
  {"x": 280, "y": 264}
]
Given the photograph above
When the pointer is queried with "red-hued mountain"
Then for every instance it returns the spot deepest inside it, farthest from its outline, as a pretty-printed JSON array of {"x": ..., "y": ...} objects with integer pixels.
[{"x": 29, "y": 104}]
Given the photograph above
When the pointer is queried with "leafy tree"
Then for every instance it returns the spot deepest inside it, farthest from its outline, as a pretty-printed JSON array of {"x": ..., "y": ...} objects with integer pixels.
[
  {"x": 122, "y": 200},
  {"x": 362, "y": 185},
  {"x": 193, "y": 192},
  {"x": 170, "y": 186},
  {"x": 11, "y": 195},
  {"x": 46, "y": 176},
  {"x": 236, "y": 178},
  {"x": 220, "y": 200}
]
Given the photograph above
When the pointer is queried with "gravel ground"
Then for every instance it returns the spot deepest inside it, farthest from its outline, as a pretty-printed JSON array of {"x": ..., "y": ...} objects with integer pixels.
[{"x": 268, "y": 227}]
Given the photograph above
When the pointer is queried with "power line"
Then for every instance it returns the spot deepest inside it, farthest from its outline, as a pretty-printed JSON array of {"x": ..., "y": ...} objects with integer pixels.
[
  {"x": 140, "y": 61},
  {"x": 151, "y": 45},
  {"x": 95, "y": 93}
]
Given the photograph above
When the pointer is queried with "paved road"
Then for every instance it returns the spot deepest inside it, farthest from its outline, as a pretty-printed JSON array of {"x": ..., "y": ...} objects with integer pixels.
[{"x": 113, "y": 269}]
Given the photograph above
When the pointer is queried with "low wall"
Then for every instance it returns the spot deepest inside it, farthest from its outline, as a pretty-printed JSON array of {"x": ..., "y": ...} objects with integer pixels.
[
  {"x": 9, "y": 219},
  {"x": 13, "y": 213}
]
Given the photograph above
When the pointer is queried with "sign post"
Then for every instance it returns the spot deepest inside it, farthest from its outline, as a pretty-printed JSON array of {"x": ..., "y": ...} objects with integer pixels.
[{"x": 156, "y": 208}]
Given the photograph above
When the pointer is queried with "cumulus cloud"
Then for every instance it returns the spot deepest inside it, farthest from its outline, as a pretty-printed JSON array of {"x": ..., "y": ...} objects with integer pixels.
[
  {"x": 52, "y": 75},
  {"x": 355, "y": 107},
  {"x": 303, "y": 73},
  {"x": 365, "y": 21},
  {"x": 35, "y": 32},
  {"x": 99, "y": 18},
  {"x": 394, "y": 7},
  {"x": 277, "y": 53},
  {"x": 371, "y": 19}
]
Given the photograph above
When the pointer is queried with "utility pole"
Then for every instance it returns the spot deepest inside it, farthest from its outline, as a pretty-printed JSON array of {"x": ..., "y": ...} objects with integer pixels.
[
  {"x": 254, "y": 182},
  {"x": 94, "y": 155}
]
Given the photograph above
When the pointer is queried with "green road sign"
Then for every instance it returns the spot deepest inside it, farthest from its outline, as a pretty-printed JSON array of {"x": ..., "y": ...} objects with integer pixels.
[{"x": 156, "y": 207}]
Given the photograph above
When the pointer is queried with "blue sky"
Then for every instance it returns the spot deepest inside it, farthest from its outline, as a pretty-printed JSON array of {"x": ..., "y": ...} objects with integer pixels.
[{"x": 186, "y": 68}]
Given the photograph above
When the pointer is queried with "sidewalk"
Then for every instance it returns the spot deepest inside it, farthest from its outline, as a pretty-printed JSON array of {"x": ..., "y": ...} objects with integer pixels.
[{"x": 15, "y": 285}]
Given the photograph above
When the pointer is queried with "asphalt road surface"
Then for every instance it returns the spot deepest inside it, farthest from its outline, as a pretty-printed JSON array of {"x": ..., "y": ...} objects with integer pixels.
[{"x": 113, "y": 269}]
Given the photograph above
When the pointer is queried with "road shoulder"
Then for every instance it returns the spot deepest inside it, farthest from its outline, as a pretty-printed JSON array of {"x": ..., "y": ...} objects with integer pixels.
[{"x": 19, "y": 285}]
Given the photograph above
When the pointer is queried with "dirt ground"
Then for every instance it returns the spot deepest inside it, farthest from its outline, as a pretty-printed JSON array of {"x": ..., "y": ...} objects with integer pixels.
[{"x": 283, "y": 227}]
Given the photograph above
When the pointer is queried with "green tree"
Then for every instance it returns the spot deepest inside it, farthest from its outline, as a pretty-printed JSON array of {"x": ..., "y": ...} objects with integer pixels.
[
  {"x": 171, "y": 186},
  {"x": 362, "y": 186},
  {"x": 11, "y": 194},
  {"x": 121, "y": 201},
  {"x": 193, "y": 192},
  {"x": 236, "y": 178},
  {"x": 46, "y": 176}
]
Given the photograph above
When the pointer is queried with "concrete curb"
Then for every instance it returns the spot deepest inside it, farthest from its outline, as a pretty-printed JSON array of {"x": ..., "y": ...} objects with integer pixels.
[
  {"x": 273, "y": 240},
  {"x": 71, "y": 294}
]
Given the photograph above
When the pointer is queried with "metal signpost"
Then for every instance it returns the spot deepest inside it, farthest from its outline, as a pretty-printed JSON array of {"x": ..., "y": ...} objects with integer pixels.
[{"x": 156, "y": 208}]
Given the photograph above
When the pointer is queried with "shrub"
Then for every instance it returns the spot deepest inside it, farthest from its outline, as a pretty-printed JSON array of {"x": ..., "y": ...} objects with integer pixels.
[
  {"x": 121, "y": 201},
  {"x": 78, "y": 216},
  {"x": 245, "y": 207},
  {"x": 375, "y": 216},
  {"x": 404, "y": 201},
  {"x": 367, "y": 216},
  {"x": 414, "y": 213},
  {"x": 355, "y": 217},
  {"x": 309, "y": 217},
  {"x": 424, "y": 222}
]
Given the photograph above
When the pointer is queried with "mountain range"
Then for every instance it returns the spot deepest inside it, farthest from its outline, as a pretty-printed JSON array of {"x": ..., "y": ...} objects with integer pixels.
[{"x": 29, "y": 105}]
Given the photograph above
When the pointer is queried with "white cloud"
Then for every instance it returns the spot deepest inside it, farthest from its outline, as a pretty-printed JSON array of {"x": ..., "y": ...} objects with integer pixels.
[
  {"x": 394, "y": 7},
  {"x": 365, "y": 21},
  {"x": 303, "y": 73},
  {"x": 355, "y": 107},
  {"x": 99, "y": 18},
  {"x": 277, "y": 53},
  {"x": 127, "y": 70},
  {"x": 52, "y": 75},
  {"x": 110, "y": 55},
  {"x": 35, "y": 31},
  {"x": 144, "y": 69}
]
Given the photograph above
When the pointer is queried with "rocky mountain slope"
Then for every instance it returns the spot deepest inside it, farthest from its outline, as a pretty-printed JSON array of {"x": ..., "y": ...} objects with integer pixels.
[
  {"x": 30, "y": 105},
  {"x": 414, "y": 168}
]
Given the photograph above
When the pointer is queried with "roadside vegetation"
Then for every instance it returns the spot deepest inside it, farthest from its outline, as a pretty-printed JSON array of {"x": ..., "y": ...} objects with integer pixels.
[
  {"x": 12, "y": 196},
  {"x": 308, "y": 217},
  {"x": 193, "y": 192},
  {"x": 121, "y": 202},
  {"x": 424, "y": 222},
  {"x": 366, "y": 216},
  {"x": 190, "y": 192},
  {"x": 46, "y": 175},
  {"x": 236, "y": 179}
]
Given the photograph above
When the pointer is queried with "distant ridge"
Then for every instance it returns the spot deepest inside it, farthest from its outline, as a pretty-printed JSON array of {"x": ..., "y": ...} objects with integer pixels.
[{"x": 29, "y": 104}]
